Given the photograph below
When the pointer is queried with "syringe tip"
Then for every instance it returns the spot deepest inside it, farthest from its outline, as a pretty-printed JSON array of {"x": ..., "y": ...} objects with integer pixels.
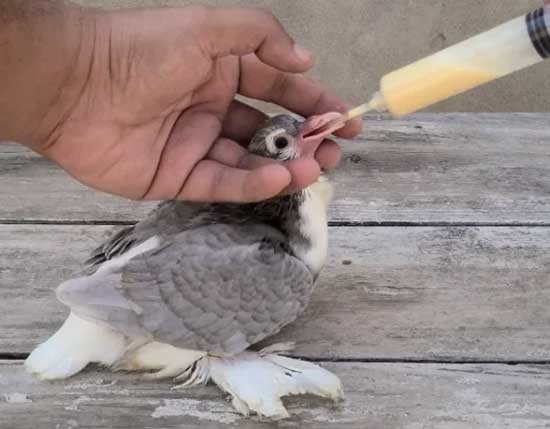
[
  {"x": 377, "y": 103},
  {"x": 357, "y": 111}
]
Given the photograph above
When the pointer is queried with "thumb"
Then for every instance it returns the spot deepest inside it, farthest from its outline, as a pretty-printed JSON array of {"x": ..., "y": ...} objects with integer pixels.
[{"x": 241, "y": 31}]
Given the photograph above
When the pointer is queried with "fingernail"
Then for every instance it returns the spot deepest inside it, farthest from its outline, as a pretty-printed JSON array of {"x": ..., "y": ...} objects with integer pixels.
[
  {"x": 303, "y": 54},
  {"x": 342, "y": 108}
]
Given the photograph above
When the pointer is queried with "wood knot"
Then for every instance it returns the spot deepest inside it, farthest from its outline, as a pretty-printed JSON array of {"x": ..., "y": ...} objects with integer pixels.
[{"x": 355, "y": 159}]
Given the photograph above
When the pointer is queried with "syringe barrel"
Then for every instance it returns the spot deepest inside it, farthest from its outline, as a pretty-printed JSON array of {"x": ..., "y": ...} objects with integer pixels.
[{"x": 512, "y": 46}]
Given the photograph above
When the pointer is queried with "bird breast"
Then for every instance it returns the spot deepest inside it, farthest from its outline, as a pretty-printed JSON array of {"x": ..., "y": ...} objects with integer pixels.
[{"x": 313, "y": 225}]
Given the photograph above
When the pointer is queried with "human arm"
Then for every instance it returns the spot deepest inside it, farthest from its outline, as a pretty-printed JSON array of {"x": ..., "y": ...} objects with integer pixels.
[{"x": 140, "y": 103}]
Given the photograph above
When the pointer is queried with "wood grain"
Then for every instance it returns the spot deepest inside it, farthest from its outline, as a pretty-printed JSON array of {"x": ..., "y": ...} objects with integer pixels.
[
  {"x": 378, "y": 396},
  {"x": 437, "y": 293},
  {"x": 427, "y": 293},
  {"x": 455, "y": 168}
]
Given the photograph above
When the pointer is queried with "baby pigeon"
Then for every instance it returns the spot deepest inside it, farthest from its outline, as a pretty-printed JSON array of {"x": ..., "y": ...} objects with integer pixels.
[{"x": 189, "y": 289}]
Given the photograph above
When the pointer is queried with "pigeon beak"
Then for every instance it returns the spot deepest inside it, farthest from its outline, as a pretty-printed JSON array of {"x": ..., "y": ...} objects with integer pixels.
[{"x": 316, "y": 128}]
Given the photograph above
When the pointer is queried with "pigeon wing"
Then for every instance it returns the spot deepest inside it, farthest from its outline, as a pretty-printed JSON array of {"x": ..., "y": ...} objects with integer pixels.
[
  {"x": 218, "y": 288},
  {"x": 169, "y": 217}
]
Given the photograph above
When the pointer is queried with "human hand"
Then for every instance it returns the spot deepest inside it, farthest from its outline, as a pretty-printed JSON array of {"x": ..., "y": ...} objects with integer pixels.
[{"x": 148, "y": 109}]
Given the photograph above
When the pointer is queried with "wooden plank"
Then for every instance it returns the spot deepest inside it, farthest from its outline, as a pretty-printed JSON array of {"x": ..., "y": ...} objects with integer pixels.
[
  {"x": 34, "y": 189},
  {"x": 455, "y": 168},
  {"x": 442, "y": 293},
  {"x": 378, "y": 396}
]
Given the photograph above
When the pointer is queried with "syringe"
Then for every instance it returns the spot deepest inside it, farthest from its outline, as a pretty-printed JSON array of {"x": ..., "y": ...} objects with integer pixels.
[{"x": 515, "y": 45}]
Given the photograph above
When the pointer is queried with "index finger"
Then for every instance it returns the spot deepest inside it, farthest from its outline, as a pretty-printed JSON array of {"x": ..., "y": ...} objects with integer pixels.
[
  {"x": 211, "y": 181},
  {"x": 294, "y": 92},
  {"x": 241, "y": 31}
]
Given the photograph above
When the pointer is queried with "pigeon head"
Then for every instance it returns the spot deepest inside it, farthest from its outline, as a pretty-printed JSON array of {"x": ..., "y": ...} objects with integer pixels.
[{"x": 284, "y": 137}]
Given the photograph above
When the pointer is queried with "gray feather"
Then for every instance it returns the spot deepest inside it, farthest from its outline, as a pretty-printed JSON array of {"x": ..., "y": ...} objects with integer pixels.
[
  {"x": 173, "y": 217},
  {"x": 218, "y": 288},
  {"x": 168, "y": 218},
  {"x": 98, "y": 298}
]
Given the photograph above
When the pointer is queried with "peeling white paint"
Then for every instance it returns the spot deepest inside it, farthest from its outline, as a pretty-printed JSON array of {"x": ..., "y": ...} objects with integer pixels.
[
  {"x": 202, "y": 410},
  {"x": 98, "y": 386},
  {"x": 95, "y": 383},
  {"x": 77, "y": 402},
  {"x": 17, "y": 398}
]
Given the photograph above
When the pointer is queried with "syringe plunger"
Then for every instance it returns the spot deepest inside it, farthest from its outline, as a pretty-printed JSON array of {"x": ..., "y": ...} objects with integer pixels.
[{"x": 515, "y": 45}]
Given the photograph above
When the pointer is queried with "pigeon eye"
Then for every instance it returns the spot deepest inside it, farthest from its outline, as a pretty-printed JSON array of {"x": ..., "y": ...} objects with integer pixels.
[{"x": 281, "y": 142}]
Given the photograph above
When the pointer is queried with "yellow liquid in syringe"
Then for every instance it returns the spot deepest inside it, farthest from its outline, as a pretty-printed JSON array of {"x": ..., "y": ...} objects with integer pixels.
[
  {"x": 422, "y": 84},
  {"x": 510, "y": 47}
]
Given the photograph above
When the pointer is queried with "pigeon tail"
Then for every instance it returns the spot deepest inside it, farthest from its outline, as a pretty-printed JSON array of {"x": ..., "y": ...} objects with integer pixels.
[
  {"x": 77, "y": 343},
  {"x": 258, "y": 381}
]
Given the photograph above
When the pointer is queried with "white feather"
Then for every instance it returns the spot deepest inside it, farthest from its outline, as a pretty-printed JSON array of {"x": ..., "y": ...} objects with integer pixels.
[
  {"x": 257, "y": 382},
  {"x": 123, "y": 259},
  {"x": 169, "y": 361},
  {"x": 77, "y": 343},
  {"x": 313, "y": 224}
]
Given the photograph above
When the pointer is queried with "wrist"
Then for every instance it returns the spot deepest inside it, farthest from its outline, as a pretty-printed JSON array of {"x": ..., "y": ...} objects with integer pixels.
[{"x": 46, "y": 46}]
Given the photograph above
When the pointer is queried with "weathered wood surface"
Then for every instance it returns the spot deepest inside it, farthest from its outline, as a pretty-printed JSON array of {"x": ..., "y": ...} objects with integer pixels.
[
  {"x": 442, "y": 293},
  {"x": 456, "y": 168},
  {"x": 379, "y": 396},
  {"x": 447, "y": 292}
]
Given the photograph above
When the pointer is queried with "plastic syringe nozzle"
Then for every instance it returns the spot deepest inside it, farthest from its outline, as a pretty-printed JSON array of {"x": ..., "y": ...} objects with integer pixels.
[{"x": 376, "y": 103}]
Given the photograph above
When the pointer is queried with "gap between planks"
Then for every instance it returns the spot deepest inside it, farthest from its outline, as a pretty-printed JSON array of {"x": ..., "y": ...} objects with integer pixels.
[
  {"x": 21, "y": 357},
  {"x": 332, "y": 224},
  {"x": 378, "y": 396},
  {"x": 429, "y": 168},
  {"x": 438, "y": 294}
]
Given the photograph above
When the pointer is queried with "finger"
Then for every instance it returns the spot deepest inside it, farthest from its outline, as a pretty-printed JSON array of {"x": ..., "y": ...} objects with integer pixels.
[
  {"x": 211, "y": 181},
  {"x": 304, "y": 172},
  {"x": 292, "y": 91},
  {"x": 328, "y": 155},
  {"x": 187, "y": 142},
  {"x": 241, "y": 31},
  {"x": 231, "y": 154},
  {"x": 241, "y": 122}
]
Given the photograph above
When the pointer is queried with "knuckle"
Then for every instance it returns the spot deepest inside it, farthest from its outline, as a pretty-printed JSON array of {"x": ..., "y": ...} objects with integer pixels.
[
  {"x": 279, "y": 87},
  {"x": 199, "y": 17},
  {"x": 199, "y": 12},
  {"x": 266, "y": 14},
  {"x": 217, "y": 186}
]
